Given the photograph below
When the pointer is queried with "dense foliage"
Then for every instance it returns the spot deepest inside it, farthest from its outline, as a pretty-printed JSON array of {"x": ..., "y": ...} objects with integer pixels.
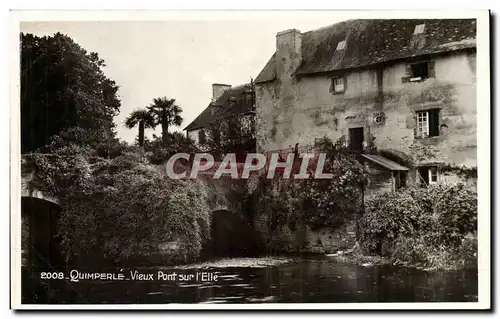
[
  {"x": 176, "y": 142},
  {"x": 64, "y": 92},
  {"x": 432, "y": 227},
  {"x": 231, "y": 134},
  {"x": 313, "y": 202},
  {"x": 119, "y": 207}
]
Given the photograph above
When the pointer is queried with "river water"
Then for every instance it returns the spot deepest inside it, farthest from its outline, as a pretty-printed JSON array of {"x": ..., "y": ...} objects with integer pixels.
[{"x": 307, "y": 279}]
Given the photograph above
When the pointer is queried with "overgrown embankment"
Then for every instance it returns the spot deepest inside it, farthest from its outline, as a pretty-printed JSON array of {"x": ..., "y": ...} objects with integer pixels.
[
  {"x": 119, "y": 207},
  {"x": 428, "y": 228}
]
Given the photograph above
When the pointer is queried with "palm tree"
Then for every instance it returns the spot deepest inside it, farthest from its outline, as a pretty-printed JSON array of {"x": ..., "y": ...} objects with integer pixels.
[
  {"x": 144, "y": 119},
  {"x": 165, "y": 113}
]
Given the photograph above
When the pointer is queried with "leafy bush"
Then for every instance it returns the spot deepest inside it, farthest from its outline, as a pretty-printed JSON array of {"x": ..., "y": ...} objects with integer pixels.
[
  {"x": 388, "y": 217},
  {"x": 430, "y": 227},
  {"x": 457, "y": 209}
]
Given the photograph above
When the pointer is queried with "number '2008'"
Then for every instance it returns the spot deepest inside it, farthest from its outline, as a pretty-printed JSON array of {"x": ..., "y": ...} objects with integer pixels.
[{"x": 51, "y": 275}]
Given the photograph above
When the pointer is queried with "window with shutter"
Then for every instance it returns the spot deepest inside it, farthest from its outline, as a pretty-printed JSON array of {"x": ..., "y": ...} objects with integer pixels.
[{"x": 428, "y": 123}]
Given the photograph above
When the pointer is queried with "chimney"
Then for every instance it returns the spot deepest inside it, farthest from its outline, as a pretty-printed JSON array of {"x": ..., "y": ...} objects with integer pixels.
[
  {"x": 218, "y": 89},
  {"x": 288, "y": 52}
]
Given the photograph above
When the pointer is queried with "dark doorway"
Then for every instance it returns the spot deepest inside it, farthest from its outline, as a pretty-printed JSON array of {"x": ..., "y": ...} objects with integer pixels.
[
  {"x": 423, "y": 174},
  {"x": 400, "y": 177},
  {"x": 41, "y": 249},
  {"x": 40, "y": 240},
  {"x": 356, "y": 138},
  {"x": 231, "y": 236}
]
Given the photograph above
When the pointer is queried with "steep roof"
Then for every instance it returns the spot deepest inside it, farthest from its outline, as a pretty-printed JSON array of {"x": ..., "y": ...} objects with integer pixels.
[
  {"x": 236, "y": 100},
  {"x": 370, "y": 42}
]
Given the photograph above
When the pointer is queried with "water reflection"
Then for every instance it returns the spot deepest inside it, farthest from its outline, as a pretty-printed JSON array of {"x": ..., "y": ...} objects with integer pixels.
[{"x": 307, "y": 280}]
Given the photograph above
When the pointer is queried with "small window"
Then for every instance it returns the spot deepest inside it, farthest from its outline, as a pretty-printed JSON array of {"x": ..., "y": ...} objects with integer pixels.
[
  {"x": 338, "y": 85},
  {"x": 419, "y": 29},
  {"x": 419, "y": 71},
  {"x": 433, "y": 175},
  {"x": 341, "y": 45},
  {"x": 202, "y": 139},
  {"x": 428, "y": 175},
  {"x": 428, "y": 123}
]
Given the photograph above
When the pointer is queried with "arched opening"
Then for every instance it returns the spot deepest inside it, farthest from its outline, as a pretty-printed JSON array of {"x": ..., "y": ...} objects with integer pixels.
[
  {"x": 41, "y": 250},
  {"x": 40, "y": 241}
]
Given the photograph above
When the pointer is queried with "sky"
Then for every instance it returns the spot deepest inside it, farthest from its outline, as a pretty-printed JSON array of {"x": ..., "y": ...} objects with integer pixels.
[{"x": 176, "y": 59}]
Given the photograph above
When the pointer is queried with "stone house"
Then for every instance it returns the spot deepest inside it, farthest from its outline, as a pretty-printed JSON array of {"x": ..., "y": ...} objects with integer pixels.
[
  {"x": 402, "y": 93},
  {"x": 228, "y": 104}
]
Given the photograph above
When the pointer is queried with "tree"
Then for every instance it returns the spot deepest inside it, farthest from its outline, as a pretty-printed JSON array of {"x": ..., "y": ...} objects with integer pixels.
[
  {"x": 165, "y": 113},
  {"x": 231, "y": 134},
  {"x": 144, "y": 119},
  {"x": 64, "y": 90}
]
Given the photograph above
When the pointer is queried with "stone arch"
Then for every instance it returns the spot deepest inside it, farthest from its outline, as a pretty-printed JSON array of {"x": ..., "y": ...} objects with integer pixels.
[
  {"x": 34, "y": 193},
  {"x": 29, "y": 190}
]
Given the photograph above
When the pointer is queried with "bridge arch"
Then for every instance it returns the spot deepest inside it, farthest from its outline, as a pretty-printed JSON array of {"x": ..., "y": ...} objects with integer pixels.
[
  {"x": 40, "y": 214},
  {"x": 231, "y": 234}
]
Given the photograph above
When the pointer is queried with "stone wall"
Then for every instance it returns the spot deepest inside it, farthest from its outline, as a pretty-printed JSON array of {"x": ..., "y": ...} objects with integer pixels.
[{"x": 303, "y": 239}]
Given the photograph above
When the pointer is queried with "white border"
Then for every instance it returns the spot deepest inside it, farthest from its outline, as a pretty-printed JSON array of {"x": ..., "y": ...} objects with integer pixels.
[{"x": 483, "y": 118}]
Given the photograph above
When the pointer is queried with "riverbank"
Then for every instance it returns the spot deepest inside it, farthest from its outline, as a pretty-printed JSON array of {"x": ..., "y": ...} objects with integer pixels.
[{"x": 355, "y": 256}]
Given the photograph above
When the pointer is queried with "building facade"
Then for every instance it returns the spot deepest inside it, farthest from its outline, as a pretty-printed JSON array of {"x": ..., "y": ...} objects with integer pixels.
[{"x": 400, "y": 92}]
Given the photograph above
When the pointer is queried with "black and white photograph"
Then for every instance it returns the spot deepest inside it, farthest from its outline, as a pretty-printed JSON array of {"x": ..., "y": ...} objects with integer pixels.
[{"x": 257, "y": 159}]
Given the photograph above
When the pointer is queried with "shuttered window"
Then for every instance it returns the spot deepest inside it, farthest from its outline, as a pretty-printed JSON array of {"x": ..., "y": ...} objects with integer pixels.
[{"x": 428, "y": 123}]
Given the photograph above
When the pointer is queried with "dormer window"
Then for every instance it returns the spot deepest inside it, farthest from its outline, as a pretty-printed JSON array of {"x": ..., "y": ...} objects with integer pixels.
[
  {"x": 419, "y": 29},
  {"x": 341, "y": 45}
]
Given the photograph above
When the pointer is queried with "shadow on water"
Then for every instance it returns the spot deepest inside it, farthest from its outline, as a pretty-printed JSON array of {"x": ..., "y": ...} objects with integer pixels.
[{"x": 308, "y": 280}]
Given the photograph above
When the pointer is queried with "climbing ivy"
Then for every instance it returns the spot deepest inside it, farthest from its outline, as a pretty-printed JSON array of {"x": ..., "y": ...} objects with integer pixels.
[
  {"x": 461, "y": 171},
  {"x": 316, "y": 203}
]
